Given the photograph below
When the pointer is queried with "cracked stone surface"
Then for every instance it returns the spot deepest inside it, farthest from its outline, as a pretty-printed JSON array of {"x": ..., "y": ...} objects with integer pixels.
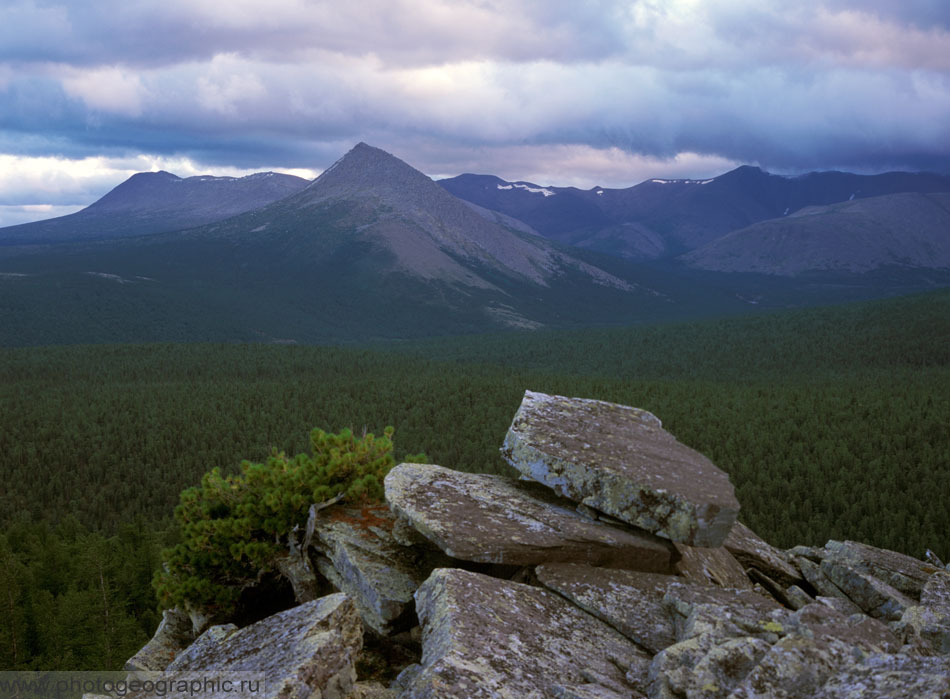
[
  {"x": 619, "y": 460},
  {"x": 493, "y": 519},
  {"x": 484, "y": 637}
]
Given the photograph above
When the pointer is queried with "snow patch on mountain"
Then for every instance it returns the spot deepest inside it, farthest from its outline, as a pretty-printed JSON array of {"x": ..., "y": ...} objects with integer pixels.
[{"x": 533, "y": 190}]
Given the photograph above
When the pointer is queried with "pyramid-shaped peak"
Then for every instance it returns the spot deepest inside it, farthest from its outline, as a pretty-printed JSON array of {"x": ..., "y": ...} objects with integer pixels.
[{"x": 366, "y": 168}]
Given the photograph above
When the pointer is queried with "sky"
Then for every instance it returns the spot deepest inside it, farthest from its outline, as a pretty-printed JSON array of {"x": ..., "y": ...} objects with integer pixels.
[{"x": 556, "y": 92}]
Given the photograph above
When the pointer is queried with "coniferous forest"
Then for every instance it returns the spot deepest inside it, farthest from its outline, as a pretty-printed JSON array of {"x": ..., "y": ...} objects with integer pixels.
[{"x": 832, "y": 423}]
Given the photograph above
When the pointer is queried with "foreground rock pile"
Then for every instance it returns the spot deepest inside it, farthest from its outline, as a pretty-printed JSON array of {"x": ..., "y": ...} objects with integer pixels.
[{"x": 617, "y": 570}]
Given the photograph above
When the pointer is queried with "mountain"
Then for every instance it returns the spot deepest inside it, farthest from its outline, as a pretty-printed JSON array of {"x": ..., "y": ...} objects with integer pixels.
[
  {"x": 370, "y": 249},
  {"x": 662, "y": 218},
  {"x": 906, "y": 230},
  {"x": 154, "y": 202}
]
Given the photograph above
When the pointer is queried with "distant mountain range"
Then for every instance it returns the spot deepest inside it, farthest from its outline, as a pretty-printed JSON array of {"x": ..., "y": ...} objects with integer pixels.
[
  {"x": 374, "y": 249},
  {"x": 660, "y": 219},
  {"x": 907, "y": 230},
  {"x": 156, "y": 202}
]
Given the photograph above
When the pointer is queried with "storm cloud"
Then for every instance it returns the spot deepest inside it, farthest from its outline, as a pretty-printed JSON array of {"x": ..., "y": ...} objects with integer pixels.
[{"x": 606, "y": 93}]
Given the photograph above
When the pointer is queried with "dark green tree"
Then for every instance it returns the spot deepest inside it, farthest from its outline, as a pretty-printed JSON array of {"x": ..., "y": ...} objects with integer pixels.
[{"x": 234, "y": 527}]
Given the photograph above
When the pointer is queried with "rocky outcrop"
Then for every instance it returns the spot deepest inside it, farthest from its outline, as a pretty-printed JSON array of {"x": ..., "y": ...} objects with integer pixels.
[
  {"x": 752, "y": 552},
  {"x": 621, "y": 461},
  {"x": 484, "y": 637},
  {"x": 480, "y": 517},
  {"x": 363, "y": 560},
  {"x": 173, "y": 635},
  {"x": 629, "y": 601},
  {"x": 572, "y": 598},
  {"x": 307, "y": 651}
]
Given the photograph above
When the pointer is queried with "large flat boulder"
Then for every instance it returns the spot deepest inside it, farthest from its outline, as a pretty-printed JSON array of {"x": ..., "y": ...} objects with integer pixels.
[
  {"x": 309, "y": 650},
  {"x": 484, "y": 637},
  {"x": 621, "y": 461},
  {"x": 493, "y": 519}
]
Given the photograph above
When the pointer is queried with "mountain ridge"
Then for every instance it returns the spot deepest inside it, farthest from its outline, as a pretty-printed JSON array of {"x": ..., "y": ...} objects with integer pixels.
[
  {"x": 908, "y": 229},
  {"x": 658, "y": 218},
  {"x": 157, "y": 202}
]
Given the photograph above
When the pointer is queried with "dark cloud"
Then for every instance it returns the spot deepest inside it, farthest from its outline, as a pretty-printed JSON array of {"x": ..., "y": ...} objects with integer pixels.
[{"x": 558, "y": 84}]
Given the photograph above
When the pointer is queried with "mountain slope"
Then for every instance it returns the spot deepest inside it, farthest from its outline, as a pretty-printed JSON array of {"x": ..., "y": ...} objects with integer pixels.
[
  {"x": 372, "y": 198},
  {"x": 153, "y": 202},
  {"x": 664, "y": 218},
  {"x": 908, "y": 230},
  {"x": 372, "y": 248}
]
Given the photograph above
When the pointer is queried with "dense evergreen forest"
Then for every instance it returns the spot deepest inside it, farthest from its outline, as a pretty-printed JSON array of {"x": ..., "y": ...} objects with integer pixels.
[{"x": 832, "y": 423}]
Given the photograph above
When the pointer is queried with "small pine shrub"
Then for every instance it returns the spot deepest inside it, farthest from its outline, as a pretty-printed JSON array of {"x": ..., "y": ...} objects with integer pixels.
[{"x": 234, "y": 527}]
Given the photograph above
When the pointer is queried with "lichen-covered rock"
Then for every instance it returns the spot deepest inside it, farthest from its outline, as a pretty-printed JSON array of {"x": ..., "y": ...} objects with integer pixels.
[
  {"x": 794, "y": 668},
  {"x": 751, "y": 551},
  {"x": 368, "y": 565},
  {"x": 797, "y": 597},
  {"x": 173, "y": 635},
  {"x": 492, "y": 519},
  {"x": 631, "y": 602},
  {"x": 843, "y": 605},
  {"x": 704, "y": 666},
  {"x": 874, "y": 597},
  {"x": 818, "y": 644},
  {"x": 621, "y": 461},
  {"x": 306, "y": 651},
  {"x": 484, "y": 637},
  {"x": 206, "y": 644},
  {"x": 371, "y": 690},
  {"x": 902, "y": 572},
  {"x": 710, "y": 566},
  {"x": 819, "y": 621},
  {"x": 936, "y": 592},
  {"x": 818, "y": 580},
  {"x": 726, "y": 613},
  {"x": 889, "y": 676},
  {"x": 927, "y": 625}
]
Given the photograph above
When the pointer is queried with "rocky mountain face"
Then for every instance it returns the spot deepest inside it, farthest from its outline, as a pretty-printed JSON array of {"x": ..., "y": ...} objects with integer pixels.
[
  {"x": 660, "y": 219},
  {"x": 618, "y": 569},
  {"x": 907, "y": 230},
  {"x": 155, "y": 202},
  {"x": 429, "y": 233}
]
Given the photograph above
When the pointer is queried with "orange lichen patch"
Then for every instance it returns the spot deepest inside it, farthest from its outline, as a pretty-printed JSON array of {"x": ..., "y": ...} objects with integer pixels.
[{"x": 368, "y": 515}]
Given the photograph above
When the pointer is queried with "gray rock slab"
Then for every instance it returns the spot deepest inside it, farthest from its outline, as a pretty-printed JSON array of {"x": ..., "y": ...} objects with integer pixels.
[
  {"x": 173, "y": 635},
  {"x": 723, "y": 612},
  {"x": 704, "y": 666},
  {"x": 493, "y": 519},
  {"x": 820, "y": 621},
  {"x": 795, "y": 667},
  {"x": 818, "y": 580},
  {"x": 927, "y": 625},
  {"x": 379, "y": 574},
  {"x": 630, "y": 601},
  {"x": 712, "y": 566},
  {"x": 620, "y": 460},
  {"x": 754, "y": 552},
  {"x": 902, "y": 572},
  {"x": 309, "y": 650},
  {"x": 874, "y": 597},
  {"x": 484, "y": 637},
  {"x": 936, "y": 592},
  {"x": 890, "y": 676}
]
